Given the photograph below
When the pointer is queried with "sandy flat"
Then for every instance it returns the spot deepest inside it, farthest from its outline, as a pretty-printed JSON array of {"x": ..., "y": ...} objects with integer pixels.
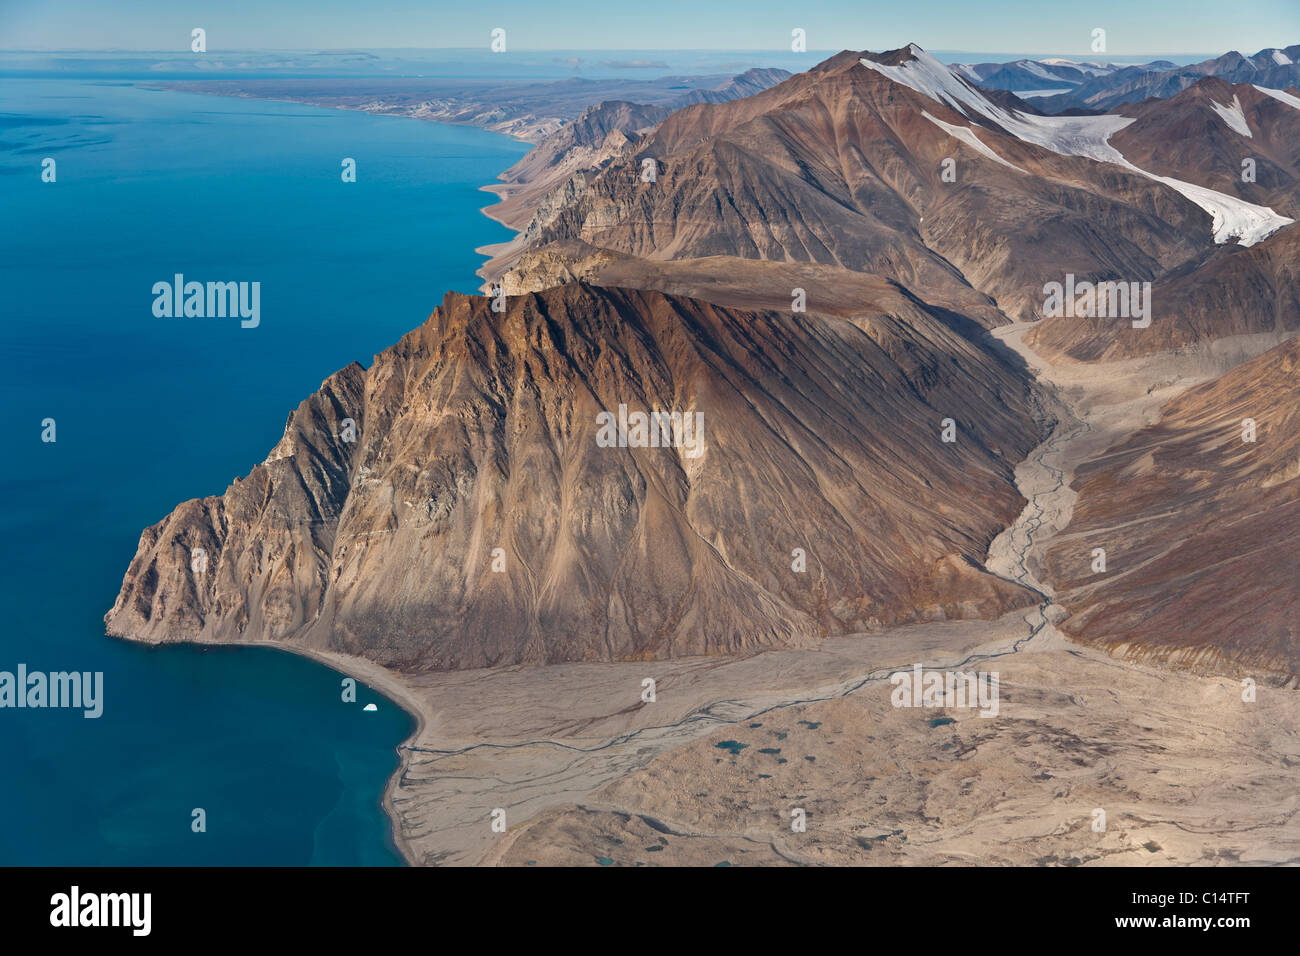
[{"x": 1184, "y": 771}]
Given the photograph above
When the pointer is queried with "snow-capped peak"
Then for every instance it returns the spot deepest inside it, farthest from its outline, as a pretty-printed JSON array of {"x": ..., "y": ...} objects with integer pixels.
[{"x": 927, "y": 76}]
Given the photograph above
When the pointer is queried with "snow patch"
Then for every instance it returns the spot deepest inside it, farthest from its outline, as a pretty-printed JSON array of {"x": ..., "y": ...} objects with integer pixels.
[
  {"x": 1280, "y": 58},
  {"x": 1233, "y": 116},
  {"x": 967, "y": 136},
  {"x": 1067, "y": 135}
]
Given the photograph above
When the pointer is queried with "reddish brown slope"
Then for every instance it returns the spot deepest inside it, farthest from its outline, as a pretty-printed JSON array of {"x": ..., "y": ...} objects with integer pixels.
[
  {"x": 1234, "y": 291},
  {"x": 1199, "y": 529},
  {"x": 478, "y": 431}
]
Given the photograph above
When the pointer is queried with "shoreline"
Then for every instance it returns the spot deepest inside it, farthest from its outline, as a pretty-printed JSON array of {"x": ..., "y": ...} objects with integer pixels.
[
  {"x": 494, "y": 249},
  {"x": 380, "y": 680},
  {"x": 166, "y": 87},
  {"x": 373, "y": 675}
]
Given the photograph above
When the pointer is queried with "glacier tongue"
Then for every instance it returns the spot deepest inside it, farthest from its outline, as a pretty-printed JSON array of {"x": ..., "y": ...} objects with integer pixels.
[{"x": 1280, "y": 96}]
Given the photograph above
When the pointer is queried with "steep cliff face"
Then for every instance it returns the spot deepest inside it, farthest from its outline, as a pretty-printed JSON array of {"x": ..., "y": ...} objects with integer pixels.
[
  {"x": 477, "y": 520},
  {"x": 253, "y": 560},
  {"x": 1199, "y": 529}
]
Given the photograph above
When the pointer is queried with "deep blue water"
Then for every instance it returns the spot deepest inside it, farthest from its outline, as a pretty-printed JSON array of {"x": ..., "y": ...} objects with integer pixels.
[{"x": 153, "y": 411}]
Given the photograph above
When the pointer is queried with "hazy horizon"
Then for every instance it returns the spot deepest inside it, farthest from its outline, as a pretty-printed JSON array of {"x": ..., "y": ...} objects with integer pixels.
[
  {"x": 463, "y": 63},
  {"x": 596, "y": 49},
  {"x": 1160, "y": 28}
]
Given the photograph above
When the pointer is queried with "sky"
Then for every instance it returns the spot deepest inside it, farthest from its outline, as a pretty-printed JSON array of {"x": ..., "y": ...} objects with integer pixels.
[{"x": 1065, "y": 27}]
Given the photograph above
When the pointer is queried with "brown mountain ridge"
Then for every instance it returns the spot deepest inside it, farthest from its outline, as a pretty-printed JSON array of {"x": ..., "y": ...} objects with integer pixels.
[{"x": 477, "y": 431}]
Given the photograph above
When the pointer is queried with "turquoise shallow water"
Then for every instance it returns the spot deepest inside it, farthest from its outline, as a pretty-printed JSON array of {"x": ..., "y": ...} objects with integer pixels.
[{"x": 153, "y": 411}]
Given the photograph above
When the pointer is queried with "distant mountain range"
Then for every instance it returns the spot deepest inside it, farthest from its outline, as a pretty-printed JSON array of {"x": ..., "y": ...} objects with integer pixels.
[
  {"x": 1037, "y": 75},
  {"x": 1104, "y": 86},
  {"x": 525, "y": 109}
]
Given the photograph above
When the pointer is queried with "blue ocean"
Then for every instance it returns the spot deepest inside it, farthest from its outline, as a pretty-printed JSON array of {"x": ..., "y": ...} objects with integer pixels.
[{"x": 151, "y": 411}]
